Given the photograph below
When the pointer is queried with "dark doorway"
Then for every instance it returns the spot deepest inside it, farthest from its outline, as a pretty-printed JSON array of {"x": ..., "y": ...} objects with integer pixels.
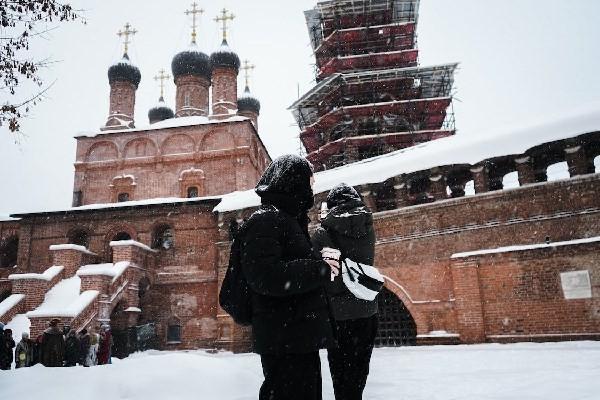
[
  {"x": 8, "y": 252},
  {"x": 396, "y": 326}
]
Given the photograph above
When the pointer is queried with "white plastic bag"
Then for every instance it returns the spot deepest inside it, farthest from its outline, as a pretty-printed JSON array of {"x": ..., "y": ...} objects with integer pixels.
[{"x": 363, "y": 281}]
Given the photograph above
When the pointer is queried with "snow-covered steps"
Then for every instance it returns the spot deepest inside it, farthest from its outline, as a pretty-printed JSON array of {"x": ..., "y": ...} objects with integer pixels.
[
  {"x": 34, "y": 286},
  {"x": 66, "y": 302}
]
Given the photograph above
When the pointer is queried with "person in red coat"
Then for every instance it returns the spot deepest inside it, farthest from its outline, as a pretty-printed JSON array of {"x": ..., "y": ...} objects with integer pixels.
[{"x": 105, "y": 345}]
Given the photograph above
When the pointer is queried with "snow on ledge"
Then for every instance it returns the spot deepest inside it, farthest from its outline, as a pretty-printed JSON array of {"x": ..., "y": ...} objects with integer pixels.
[
  {"x": 72, "y": 310},
  {"x": 132, "y": 243},
  {"x": 76, "y": 247},
  {"x": 9, "y": 302},
  {"x": 169, "y": 123},
  {"x": 238, "y": 201},
  {"x": 132, "y": 309},
  {"x": 525, "y": 247},
  {"x": 439, "y": 334},
  {"x": 112, "y": 270},
  {"x": 47, "y": 275},
  {"x": 133, "y": 203},
  {"x": 6, "y": 218}
]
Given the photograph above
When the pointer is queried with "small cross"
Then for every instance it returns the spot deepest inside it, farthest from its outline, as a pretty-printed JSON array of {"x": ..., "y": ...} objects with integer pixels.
[
  {"x": 224, "y": 18},
  {"x": 127, "y": 32},
  {"x": 195, "y": 10},
  {"x": 162, "y": 77},
  {"x": 247, "y": 68}
]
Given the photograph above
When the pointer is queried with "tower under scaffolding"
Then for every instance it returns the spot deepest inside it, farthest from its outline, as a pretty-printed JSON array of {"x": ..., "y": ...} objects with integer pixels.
[{"x": 371, "y": 96}]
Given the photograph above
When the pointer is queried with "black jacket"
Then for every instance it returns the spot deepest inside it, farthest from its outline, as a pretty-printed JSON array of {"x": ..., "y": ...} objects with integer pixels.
[
  {"x": 348, "y": 227},
  {"x": 290, "y": 314}
]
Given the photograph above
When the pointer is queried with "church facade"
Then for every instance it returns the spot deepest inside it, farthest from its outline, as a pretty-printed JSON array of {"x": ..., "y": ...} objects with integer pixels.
[{"x": 491, "y": 241}]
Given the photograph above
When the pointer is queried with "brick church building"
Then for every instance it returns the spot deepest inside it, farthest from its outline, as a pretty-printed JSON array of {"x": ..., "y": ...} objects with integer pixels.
[{"x": 492, "y": 239}]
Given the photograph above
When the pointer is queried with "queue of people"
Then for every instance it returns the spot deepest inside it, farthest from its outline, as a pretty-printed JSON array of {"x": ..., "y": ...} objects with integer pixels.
[{"x": 56, "y": 347}]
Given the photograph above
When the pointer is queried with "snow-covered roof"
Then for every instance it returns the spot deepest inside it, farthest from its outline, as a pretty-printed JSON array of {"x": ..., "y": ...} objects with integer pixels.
[
  {"x": 68, "y": 246},
  {"x": 47, "y": 275},
  {"x": 458, "y": 149},
  {"x": 6, "y": 218},
  {"x": 125, "y": 204},
  {"x": 526, "y": 247},
  {"x": 169, "y": 123}
]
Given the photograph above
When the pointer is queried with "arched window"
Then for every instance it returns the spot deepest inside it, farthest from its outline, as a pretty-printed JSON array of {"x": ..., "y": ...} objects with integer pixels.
[
  {"x": 123, "y": 197},
  {"x": 163, "y": 238},
  {"x": 9, "y": 249},
  {"x": 558, "y": 171},
  {"x": 121, "y": 236},
  {"x": 79, "y": 237},
  {"x": 192, "y": 191},
  {"x": 470, "y": 188},
  {"x": 174, "y": 330},
  {"x": 510, "y": 180}
]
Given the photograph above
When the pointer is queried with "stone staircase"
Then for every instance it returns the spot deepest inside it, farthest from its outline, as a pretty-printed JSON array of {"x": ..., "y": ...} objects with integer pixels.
[{"x": 76, "y": 290}]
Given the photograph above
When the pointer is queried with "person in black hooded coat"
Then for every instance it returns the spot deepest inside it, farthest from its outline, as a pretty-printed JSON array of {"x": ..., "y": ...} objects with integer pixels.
[
  {"x": 290, "y": 314},
  {"x": 348, "y": 226}
]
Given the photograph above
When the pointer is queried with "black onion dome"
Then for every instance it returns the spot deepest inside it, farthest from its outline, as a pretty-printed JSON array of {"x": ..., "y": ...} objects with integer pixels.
[
  {"x": 191, "y": 62},
  {"x": 225, "y": 57},
  {"x": 247, "y": 102},
  {"x": 124, "y": 70},
  {"x": 160, "y": 112}
]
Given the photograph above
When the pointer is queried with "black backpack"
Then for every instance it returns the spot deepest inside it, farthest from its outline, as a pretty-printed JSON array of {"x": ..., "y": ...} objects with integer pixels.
[{"x": 235, "y": 296}]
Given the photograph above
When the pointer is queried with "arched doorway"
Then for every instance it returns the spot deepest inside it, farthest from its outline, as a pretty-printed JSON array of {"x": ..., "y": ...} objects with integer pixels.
[
  {"x": 396, "y": 326},
  {"x": 9, "y": 249},
  {"x": 122, "y": 334}
]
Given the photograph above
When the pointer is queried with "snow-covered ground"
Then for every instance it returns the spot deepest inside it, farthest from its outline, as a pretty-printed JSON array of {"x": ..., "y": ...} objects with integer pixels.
[{"x": 523, "y": 371}]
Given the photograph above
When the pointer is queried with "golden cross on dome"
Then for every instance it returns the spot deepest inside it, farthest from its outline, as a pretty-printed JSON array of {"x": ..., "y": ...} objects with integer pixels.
[
  {"x": 247, "y": 68},
  {"x": 162, "y": 77},
  {"x": 224, "y": 18},
  {"x": 195, "y": 10},
  {"x": 127, "y": 32}
]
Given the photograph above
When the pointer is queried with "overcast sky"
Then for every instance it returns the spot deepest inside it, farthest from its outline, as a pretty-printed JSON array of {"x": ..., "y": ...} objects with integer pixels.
[{"x": 520, "y": 60}]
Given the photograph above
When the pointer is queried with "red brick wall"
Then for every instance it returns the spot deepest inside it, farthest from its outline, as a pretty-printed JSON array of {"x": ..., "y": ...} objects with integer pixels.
[
  {"x": 156, "y": 158},
  {"x": 521, "y": 293},
  {"x": 415, "y": 243}
]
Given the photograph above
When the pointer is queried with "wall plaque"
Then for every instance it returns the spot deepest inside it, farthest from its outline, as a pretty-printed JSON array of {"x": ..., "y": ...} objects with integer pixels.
[{"x": 576, "y": 285}]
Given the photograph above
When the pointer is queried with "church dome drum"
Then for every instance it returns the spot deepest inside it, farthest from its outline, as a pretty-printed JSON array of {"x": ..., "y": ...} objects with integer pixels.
[{"x": 124, "y": 70}]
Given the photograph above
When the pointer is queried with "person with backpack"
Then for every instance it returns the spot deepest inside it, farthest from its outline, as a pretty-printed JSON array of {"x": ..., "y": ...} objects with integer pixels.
[
  {"x": 348, "y": 227},
  {"x": 289, "y": 311},
  {"x": 7, "y": 345},
  {"x": 71, "y": 349}
]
